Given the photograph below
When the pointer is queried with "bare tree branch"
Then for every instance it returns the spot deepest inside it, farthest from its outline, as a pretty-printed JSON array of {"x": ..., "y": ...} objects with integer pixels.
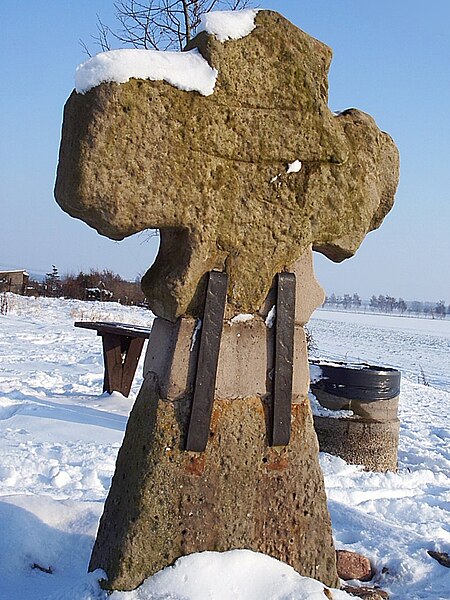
[
  {"x": 187, "y": 21},
  {"x": 157, "y": 24},
  {"x": 85, "y": 48},
  {"x": 102, "y": 37}
]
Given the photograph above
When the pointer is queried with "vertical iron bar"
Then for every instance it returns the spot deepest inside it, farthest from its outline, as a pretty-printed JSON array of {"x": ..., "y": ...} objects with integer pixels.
[
  {"x": 208, "y": 357},
  {"x": 284, "y": 359}
]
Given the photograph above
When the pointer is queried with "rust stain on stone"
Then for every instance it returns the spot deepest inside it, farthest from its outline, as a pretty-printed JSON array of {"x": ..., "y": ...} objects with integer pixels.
[
  {"x": 225, "y": 498},
  {"x": 217, "y": 411},
  {"x": 280, "y": 464},
  {"x": 196, "y": 464}
]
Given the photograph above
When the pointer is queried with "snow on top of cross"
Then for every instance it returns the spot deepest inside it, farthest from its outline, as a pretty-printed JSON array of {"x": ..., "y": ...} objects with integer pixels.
[
  {"x": 229, "y": 24},
  {"x": 188, "y": 71}
]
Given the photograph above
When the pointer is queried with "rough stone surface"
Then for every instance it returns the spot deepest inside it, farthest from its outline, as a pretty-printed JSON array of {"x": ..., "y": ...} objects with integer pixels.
[
  {"x": 240, "y": 493},
  {"x": 245, "y": 365},
  {"x": 359, "y": 441},
  {"x": 351, "y": 565},
  {"x": 367, "y": 593},
  {"x": 369, "y": 438},
  {"x": 211, "y": 172},
  {"x": 442, "y": 557},
  {"x": 378, "y": 410},
  {"x": 309, "y": 293}
]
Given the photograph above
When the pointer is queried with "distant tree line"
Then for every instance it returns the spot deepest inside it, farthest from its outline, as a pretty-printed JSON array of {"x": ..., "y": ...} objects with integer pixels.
[
  {"x": 94, "y": 285},
  {"x": 346, "y": 301},
  {"x": 388, "y": 304}
]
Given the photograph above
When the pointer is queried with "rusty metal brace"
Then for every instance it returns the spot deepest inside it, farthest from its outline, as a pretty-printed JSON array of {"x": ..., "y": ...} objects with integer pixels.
[
  {"x": 284, "y": 359},
  {"x": 208, "y": 357}
]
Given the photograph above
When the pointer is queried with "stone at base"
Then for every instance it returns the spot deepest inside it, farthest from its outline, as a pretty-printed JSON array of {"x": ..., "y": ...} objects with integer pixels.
[
  {"x": 375, "y": 410},
  {"x": 366, "y": 593},
  {"x": 351, "y": 565},
  {"x": 165, "y": 502},
  {"x": 442, "y": 557},
  {"x": 358, "y": 441}
]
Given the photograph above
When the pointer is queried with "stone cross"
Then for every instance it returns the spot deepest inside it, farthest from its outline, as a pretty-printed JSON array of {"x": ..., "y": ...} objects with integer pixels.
[{"x": 243, "y": 180}]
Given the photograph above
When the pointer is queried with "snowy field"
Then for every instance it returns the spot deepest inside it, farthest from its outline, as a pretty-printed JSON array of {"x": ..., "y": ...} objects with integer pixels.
[
  {"x": 59, "y": 436},
  {"x": 419, "y": 347}
]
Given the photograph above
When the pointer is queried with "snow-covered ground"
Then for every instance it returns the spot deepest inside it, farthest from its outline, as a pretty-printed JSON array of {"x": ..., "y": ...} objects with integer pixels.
[
  {"x": 59, "y": 436},
  {"x": 395, "y": 518}
]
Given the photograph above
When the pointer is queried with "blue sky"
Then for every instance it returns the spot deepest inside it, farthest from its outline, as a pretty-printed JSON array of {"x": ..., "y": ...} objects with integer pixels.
[{"x": 391, "y": 59}]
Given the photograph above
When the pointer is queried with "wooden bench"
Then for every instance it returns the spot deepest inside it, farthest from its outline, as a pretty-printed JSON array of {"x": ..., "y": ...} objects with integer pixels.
[{"x": 122, "y": 347}]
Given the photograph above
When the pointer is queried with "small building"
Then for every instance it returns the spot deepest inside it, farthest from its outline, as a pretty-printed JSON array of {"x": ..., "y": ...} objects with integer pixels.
[
  {"x": 98, "y": 293},
  {"x": 14, "y": 281}
]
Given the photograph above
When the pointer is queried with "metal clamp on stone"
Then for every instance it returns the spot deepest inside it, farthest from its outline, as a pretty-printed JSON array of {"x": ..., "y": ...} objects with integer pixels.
[
  {"x": 208, "y": 357},
  {"x": 283, "y": 359}
]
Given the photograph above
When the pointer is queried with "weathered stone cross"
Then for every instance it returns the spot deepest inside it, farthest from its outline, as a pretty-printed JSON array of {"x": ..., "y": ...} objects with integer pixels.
[
  {"x": 212, "y": 173},
  {"x": 243, "y": 182}
]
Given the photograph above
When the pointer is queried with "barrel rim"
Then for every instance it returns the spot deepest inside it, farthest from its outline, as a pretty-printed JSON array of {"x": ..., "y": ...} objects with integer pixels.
[{"x": 355, "y": 366}]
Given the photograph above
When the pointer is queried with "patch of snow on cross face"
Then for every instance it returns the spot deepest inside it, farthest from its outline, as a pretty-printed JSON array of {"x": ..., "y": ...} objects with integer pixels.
[
  {"x": 195, "y": 333},
  {"x": 228, "y": 24},
  {"x": 187, "y": 71},
  {"x": 294, "y": 167},
  {"x": 242, "y": 318},
  {"x": 270, "y": 319}
]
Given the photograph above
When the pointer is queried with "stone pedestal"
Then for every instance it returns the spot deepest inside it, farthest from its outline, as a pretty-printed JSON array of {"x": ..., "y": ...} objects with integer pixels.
[
  {"x": 359, "y": 441},
  {"x": 370, "y": 436},
  {"x": 240, "y": 493},
  {"x": 165, "y": 503}
]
